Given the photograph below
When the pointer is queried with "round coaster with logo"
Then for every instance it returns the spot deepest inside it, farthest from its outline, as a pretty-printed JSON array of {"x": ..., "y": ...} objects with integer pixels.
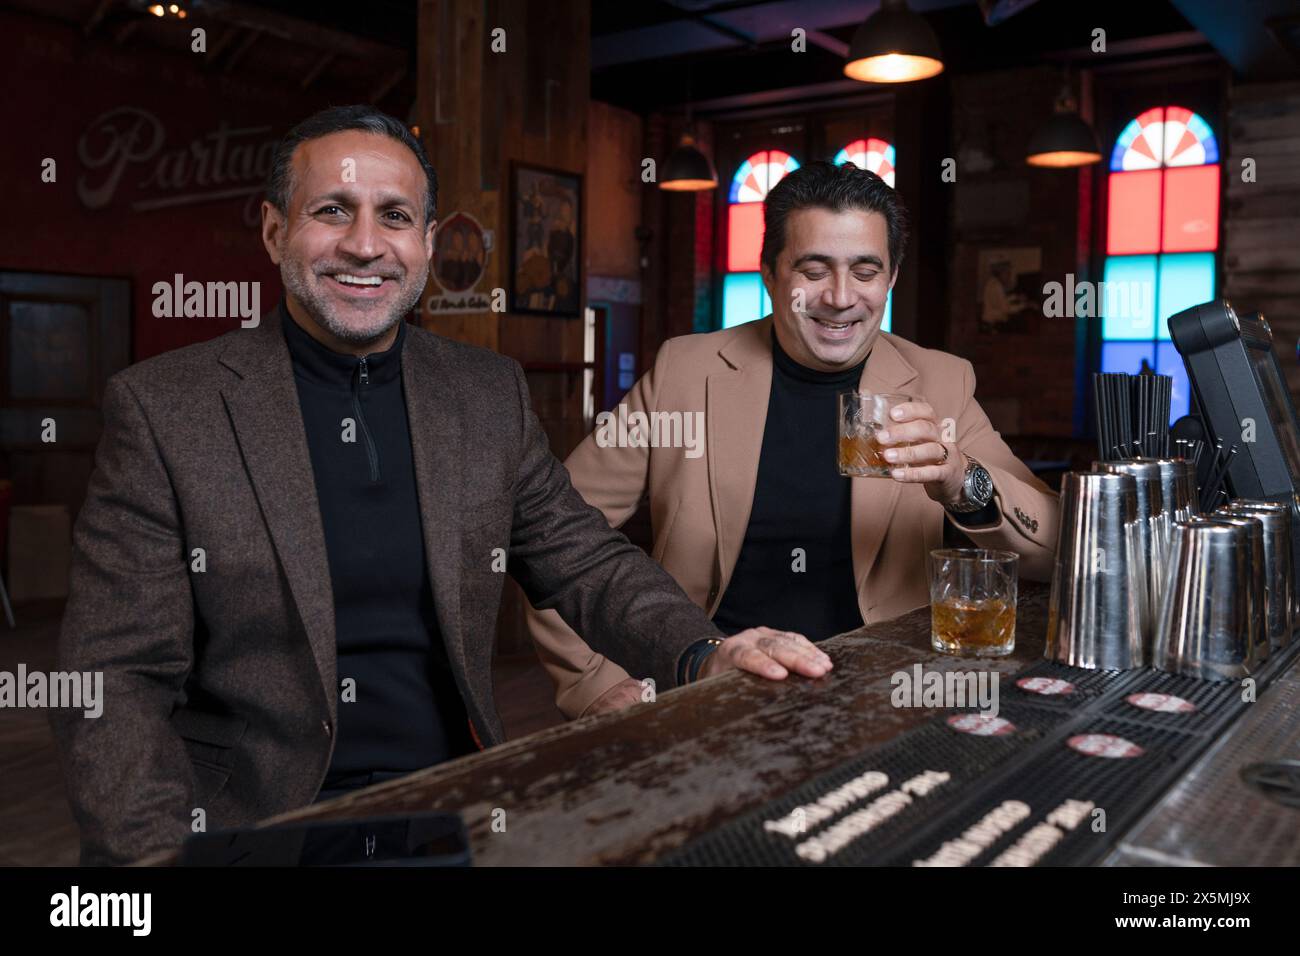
[
  {"x": 1047, "y": 686},
  {"x": 980, "y": 726},
  {"x": 1161, "y": 703},
  {"x": 1104, "y": 745}
]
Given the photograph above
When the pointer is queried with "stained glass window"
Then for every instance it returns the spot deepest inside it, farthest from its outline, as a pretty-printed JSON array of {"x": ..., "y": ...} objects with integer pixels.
[
  {"x": 743, "y": 297},
  {"x": 1162, "y": 236},
  {"x": 875, "y": 156},
  {"x": 760, "y": 173}
]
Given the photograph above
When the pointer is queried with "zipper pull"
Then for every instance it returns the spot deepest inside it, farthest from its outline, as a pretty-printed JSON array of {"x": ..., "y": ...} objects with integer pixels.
[{"x": 365, "y": 375}]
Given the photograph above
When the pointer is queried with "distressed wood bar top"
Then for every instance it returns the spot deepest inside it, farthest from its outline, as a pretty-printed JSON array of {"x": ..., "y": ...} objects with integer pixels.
[{"x": 625, "y": 788}]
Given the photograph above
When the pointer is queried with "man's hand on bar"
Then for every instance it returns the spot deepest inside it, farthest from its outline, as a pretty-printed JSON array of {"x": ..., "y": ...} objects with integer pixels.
[{"x": 767, "y": 653}]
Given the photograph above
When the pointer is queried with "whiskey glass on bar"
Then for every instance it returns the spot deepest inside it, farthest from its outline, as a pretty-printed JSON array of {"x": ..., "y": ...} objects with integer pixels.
[{"x": 973, "y": 601}]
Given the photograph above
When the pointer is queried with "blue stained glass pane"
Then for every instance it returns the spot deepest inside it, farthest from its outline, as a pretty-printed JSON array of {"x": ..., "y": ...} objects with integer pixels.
[
  {"x": 742, "y": 173},
  {"x": 1201, "y": 130},
  {"x": 1186, "y": 279},
  {"x": 1169, "y": 362},
  {"x": 887, "y": 323},
  {"x": 1211, "y": 150},
  {"x": 1126, "y": 136},
  {"x": 743, "y": 298},
  {"x": 1127, "y": 356},
  {"x": 1127, "y": 298},
  {"x": 1117, "y": 157}
]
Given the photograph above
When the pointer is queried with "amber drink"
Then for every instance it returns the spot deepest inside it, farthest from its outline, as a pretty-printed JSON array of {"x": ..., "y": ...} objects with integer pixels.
[
  {"x": 973, "y": 601},
  {"x": 862, "y": 415}
]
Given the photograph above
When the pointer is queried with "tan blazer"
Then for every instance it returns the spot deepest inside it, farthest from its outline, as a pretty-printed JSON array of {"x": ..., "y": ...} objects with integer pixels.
[{"x": 700, "y": 505}]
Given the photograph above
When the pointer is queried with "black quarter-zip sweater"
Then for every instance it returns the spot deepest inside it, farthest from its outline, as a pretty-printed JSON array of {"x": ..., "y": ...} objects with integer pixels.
[
  {"x": 407, "y": 713},
  {"x": 800, "y": 501}
]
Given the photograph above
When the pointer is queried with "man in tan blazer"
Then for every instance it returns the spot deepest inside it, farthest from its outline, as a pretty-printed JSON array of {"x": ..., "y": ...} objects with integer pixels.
[{"x": 759, "y": 493}]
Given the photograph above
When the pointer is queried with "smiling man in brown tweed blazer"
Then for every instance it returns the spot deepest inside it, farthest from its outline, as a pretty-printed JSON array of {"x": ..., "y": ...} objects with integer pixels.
[{"x": 288, "y": 566}]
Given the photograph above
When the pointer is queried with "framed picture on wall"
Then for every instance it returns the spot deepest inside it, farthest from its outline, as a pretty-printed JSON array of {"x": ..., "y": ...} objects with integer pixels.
[
  {"x": 545, "y": 241},
  {"x": 1009, "y": 294}
]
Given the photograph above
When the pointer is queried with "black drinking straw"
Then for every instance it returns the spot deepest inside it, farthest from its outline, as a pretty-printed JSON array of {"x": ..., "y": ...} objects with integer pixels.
[{"x": 1218, "y": 471}]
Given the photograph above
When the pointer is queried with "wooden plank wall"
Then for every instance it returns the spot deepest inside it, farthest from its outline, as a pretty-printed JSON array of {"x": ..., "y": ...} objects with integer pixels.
[
  {"x": 478, "y": 110},
  {"x": 1261, "y": 242}
]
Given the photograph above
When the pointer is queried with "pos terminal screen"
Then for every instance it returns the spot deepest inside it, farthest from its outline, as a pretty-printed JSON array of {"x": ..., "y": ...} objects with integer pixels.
[{"x": 1281, "y": 412}]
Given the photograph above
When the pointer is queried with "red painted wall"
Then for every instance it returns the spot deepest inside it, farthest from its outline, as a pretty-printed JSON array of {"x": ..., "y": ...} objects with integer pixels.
[{"x": 130, "y": 129}]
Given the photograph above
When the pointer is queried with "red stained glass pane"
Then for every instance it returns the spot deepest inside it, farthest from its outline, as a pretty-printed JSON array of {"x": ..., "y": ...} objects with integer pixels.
[
  {"x": 744, "y": 236},
  {"x": 1133, "y": 223},
  {"x": 1191, "y": 209}
]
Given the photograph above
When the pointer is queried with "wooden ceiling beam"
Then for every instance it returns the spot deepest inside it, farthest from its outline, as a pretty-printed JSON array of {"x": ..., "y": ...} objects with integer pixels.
[
  {"x": 295, "y": 30},
  {"x": 386, "y": 85},
  {"x": 251, "y": 37},
  {"x": 225, "y": 37},
  {"x": 310, "y": 76},
  {"x": 97, "y": 16},
  {"x": 125, "y": 31}
]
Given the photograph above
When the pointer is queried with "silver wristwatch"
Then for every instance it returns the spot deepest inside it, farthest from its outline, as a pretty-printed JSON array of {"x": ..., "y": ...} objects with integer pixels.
[{"x": 976, "y": 489}]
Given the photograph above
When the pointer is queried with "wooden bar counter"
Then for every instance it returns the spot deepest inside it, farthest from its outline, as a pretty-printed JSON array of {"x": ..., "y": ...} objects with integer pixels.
[{"x": 626, "y": 788}]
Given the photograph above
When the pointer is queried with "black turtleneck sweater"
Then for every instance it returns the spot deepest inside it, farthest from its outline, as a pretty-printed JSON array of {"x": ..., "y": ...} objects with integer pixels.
[
  {"x": 407, "y": 713},
  {"x": 800, "y": 501}
]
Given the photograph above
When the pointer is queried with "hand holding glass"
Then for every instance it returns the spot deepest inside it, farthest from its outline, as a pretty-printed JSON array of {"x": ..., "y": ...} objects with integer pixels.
[{"x": 862, "y": 415}]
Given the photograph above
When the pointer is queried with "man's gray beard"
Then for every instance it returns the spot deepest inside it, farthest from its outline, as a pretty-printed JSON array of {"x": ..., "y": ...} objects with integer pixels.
[{"x": 322, "y": 311}]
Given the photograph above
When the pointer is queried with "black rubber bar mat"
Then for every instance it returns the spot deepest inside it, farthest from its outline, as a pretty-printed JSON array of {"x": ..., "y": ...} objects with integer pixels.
[{"x": 1070, "y": 762}]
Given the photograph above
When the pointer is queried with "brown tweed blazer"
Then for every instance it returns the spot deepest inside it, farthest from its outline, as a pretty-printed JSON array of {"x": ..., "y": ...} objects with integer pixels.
[{"x": 220, "y": 690}]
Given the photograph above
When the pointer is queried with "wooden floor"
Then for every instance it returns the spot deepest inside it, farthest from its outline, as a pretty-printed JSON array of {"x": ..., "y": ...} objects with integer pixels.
[{"x": 36, "y": 824}]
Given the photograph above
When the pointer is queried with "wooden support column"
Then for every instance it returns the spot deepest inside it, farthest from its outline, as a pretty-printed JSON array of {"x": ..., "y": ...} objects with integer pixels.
[
  {"x": 448, "y": 103},
  {"x": 479, "y": 110}
]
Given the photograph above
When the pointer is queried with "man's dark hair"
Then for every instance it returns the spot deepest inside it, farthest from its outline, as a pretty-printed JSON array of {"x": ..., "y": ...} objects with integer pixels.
[
  {"x": 824, "y": 185},
  {"x": 336, "y": 119}
]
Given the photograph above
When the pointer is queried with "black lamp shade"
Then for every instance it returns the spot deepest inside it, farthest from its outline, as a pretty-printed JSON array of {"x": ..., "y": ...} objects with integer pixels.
[
  {"x": 688, "y": 169},
  {"x": 893, "y": 45},
  {"x": 1064, "y": 140}
]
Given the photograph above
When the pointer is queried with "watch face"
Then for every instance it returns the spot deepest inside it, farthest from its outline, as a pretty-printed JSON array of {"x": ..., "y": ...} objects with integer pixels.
[{"x": 981, "y": 485}]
